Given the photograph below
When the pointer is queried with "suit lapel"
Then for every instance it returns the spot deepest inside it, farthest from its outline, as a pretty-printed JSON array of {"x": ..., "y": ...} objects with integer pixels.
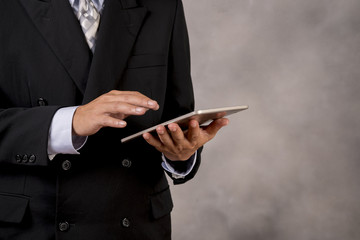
[
  {"x": 119, "y": 25},
  {"x": 58, "y": 25}
]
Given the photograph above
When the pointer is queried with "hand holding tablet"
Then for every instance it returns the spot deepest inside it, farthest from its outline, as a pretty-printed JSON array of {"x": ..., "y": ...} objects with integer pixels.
[{"x": 202, "y": 116}]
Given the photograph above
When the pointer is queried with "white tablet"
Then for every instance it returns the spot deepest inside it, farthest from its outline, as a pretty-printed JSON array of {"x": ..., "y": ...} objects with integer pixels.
[{"x": 202, "y": 116}]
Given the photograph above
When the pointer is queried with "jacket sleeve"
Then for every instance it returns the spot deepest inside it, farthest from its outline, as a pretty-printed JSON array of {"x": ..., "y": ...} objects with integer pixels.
[
  {"x": 24, "y": 135},
  {"x": 179, "y": 92}
]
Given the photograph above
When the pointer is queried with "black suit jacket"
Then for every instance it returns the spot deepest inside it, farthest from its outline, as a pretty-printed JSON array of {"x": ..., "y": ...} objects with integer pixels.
[{"x": 111, "y": 190}]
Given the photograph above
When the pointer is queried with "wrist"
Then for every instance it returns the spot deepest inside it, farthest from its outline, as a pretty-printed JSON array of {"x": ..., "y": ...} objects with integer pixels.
[{"x": 178, "y": 158}]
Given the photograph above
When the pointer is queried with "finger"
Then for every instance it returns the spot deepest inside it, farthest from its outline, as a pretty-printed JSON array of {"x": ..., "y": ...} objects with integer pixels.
[
  {"x": 164, "y": 136},
  {"x": 215, "y": 126},
  {"x": 176, "y": 133},
  {"x": 118, "y": 92},
  {"x": 118, "y": 115},
  {"x": 152, "y": 140},
  {"x": 121, "y": 108},
  {"x": 194, "y": 131},
  {"x": 134, "y": 98},
  {"x": 108, "y": 121}
]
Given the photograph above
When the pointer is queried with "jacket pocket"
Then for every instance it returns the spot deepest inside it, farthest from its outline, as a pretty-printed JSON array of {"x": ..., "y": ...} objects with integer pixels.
[
  {"x": 12, "y": 208},
  {"x": 146, "y": 60},
  {"x": 161, "y": 204}
]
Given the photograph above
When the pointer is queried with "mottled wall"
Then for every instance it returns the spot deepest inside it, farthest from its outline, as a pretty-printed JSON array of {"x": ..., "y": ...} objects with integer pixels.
[{"x": 289, "y": 167}]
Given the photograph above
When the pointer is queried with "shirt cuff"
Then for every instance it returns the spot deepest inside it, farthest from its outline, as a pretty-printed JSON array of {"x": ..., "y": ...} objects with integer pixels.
[
  {"x": 61, "y": 137},
  {"x": 171, "y": 167}
]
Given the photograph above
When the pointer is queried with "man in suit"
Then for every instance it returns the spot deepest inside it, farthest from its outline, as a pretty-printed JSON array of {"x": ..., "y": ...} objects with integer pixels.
[{"x": 65, "y": 105}]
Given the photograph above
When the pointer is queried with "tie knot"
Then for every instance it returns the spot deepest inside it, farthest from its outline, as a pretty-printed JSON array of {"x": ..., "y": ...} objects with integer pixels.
[
  {"x": 89, "y": 19},
  {"x": 87, "y": 8}
]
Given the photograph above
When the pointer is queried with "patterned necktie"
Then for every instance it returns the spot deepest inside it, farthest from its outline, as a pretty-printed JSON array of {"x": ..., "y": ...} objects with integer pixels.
[{"x": 89, "y": 19}]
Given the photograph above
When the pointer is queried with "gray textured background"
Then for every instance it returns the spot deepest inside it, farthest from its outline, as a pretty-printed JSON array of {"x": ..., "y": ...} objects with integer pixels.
[{"x": 287, "y": 168}]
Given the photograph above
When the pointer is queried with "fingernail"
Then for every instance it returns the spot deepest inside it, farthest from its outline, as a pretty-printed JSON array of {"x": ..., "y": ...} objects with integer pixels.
[
  {"x": 139, "y": 110},
  {"x": 173, "y": 129},
  {"x": 160, "y": 131},
  {"x": 193, "y": 124},
  {"x": 151, "y": 103},
  {"x": 146, "y": 136},
  {"x": 121, "y": 123}
]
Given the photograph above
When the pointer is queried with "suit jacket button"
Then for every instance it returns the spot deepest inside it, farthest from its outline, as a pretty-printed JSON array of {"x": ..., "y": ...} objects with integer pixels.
[
  {"x": 126, "y": 222},
  {"x": 32, "y": 159},
  {"x": 18, "y": 158},
  {"x": 25, "y": 158},
  {"x": 42, "y": 102},
  {"x": 66, "y": 165},
  {"x": 126, "y": 163},
  {"x": 64, "y": 226}
]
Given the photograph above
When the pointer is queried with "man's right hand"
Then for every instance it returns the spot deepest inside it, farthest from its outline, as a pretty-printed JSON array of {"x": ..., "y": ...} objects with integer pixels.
[{"x": 110, "y": 110}]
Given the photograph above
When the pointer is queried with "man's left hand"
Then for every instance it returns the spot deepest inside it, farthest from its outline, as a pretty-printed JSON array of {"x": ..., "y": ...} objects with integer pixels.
[{"x": 177, "y": 145}]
